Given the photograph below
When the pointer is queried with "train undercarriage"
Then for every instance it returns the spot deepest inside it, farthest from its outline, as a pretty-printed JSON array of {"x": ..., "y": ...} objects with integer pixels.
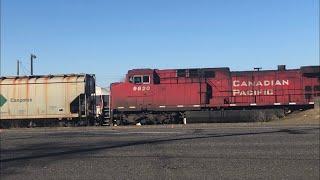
[
  {"x": 29, "y": 123},
  {"x": 243, "y": 114}
]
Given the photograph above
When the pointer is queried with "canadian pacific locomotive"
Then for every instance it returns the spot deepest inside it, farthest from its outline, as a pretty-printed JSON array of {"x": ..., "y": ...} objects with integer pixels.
[{"x": 158, "y": 96}]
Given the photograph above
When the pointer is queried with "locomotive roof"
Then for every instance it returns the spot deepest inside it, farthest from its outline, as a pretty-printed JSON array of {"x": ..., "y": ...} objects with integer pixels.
[
  {"x": 149, "y": 69},
  {"x": 302, "y": 68},
  {"x": 267, "y": 70},
  {"x": 225, "y": 68}
]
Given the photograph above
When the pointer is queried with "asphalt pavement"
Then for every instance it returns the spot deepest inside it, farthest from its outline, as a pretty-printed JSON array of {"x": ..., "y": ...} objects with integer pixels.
[{"x": 204, "y": 151}]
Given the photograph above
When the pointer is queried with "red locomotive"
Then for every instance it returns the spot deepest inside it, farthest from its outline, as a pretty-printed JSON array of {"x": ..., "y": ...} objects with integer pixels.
[{"x": 159, "y": 96}]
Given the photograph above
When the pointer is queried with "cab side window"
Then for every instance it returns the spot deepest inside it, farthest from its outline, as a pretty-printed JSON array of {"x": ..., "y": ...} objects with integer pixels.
[
  {"x": 137, "y": 79},
  {"x": 140, "y": 79},
  {"x": 146, "y": 79}
]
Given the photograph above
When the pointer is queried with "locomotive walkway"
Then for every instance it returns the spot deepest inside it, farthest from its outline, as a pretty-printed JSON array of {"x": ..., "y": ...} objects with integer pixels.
[{"x": 199, "y": 151}]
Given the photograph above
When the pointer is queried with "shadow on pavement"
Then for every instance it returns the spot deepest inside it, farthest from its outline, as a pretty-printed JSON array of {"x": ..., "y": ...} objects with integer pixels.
[{"x": 47, "y": 147}]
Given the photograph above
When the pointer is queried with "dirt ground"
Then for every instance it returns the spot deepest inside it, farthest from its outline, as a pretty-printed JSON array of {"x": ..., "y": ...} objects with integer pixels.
[{"x": 311, "y": 116}]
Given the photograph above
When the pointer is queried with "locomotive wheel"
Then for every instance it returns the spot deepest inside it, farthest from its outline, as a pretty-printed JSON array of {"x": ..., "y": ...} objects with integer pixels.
[{"x": 118, "y": 122}]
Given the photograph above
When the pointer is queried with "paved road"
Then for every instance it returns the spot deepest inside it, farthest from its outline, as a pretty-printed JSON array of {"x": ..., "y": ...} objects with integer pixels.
[{"x": 162, "y": 152}]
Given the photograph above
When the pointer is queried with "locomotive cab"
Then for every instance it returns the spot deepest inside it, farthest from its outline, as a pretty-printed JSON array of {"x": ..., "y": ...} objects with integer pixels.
[{"x": 142, "y": 76}]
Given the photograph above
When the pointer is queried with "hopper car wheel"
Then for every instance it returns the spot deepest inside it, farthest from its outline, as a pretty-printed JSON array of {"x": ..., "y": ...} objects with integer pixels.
[
  {"x": 63, "y": 123},
  {"x": 6, "y": 124},
  {"x": 31, "y": 124},
  {"x": 70, "y": 123}
]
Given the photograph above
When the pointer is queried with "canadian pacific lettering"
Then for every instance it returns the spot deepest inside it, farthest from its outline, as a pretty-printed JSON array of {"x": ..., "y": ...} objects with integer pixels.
[
  {"x": 263, "y": 87},
  {"x": 238, "y": 83}
]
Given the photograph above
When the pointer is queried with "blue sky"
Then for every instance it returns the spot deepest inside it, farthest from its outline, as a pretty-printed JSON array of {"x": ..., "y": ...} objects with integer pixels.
[{"x": 107, "y": 37}]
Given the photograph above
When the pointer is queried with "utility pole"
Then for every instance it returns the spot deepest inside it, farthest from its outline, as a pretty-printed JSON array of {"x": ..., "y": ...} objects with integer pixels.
[
  {"x": 18, "y": 67},
  {"x": 31, "y": 59}
]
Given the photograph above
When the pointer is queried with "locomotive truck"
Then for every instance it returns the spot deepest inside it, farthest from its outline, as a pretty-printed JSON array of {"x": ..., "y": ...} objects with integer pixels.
[{"x": 211, "y": 94}]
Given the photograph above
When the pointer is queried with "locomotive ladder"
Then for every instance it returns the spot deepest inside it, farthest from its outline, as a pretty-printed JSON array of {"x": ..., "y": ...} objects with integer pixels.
[{"x": 106, "y": 114}]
